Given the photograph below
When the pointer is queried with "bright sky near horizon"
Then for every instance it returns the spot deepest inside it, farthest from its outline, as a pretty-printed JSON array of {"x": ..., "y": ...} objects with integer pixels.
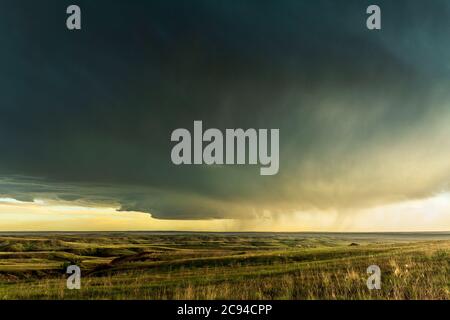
[{"x": 431, "y": 214}]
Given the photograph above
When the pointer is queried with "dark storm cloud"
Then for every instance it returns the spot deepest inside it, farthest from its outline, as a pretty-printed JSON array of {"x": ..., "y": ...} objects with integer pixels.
[{"x": 90, "y": 113}]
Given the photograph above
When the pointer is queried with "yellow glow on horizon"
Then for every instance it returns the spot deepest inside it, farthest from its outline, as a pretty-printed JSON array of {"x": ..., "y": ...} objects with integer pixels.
[{"x": 431, "y": 214}]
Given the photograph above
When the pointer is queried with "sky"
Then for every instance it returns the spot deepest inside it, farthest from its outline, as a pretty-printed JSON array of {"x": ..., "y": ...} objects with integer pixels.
[{"x": 87, "y": 115}]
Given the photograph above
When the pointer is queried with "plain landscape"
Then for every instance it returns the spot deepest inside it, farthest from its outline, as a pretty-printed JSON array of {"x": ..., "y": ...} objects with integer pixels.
[{"x": 189, "y": 265}]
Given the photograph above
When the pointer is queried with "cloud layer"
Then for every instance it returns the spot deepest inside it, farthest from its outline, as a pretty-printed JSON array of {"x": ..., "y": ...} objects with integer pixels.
[{"x": 87, "y": 116}]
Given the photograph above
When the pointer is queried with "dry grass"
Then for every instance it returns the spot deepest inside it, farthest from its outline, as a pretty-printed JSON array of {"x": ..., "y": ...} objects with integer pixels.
[{"x": 219, "y": 267}]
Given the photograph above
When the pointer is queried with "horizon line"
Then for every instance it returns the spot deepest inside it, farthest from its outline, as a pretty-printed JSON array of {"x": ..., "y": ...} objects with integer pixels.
[{"x": 190, "y": 231}]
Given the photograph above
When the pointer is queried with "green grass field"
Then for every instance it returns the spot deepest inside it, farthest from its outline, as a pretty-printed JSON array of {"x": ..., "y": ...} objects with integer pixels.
[{"x": 224, "y": 265}]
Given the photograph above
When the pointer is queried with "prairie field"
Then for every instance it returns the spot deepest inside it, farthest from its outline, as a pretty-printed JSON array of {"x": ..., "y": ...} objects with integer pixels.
[{"x": 172, "y": 265}]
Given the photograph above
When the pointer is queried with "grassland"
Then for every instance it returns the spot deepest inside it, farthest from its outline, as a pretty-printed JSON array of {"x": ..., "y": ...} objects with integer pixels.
[{"x": 224, "y": 265}]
